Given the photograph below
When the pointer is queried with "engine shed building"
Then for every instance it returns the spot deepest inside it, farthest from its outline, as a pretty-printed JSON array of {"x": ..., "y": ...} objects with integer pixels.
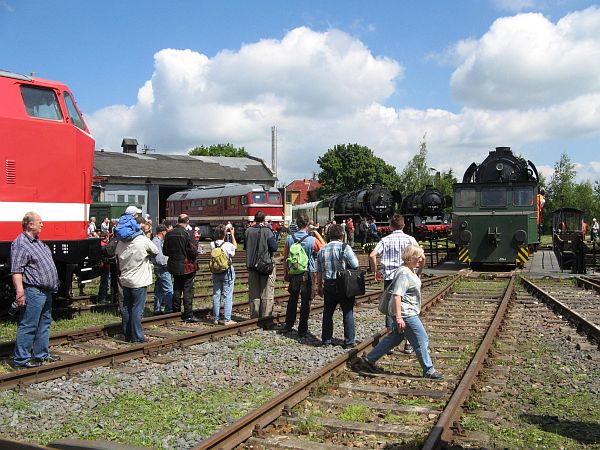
[{"x": 148, "y": 179}]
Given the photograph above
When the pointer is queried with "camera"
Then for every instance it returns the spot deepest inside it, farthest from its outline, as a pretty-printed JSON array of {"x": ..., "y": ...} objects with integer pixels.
[{"x": 14, "y": 308}]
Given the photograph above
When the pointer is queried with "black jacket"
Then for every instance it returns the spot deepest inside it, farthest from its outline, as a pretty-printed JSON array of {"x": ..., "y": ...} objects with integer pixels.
[{"x": 181, "y": 250}]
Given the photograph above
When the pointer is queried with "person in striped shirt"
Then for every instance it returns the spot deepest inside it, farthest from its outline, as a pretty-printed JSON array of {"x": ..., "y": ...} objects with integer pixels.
[{"x": 390, "y": 249}]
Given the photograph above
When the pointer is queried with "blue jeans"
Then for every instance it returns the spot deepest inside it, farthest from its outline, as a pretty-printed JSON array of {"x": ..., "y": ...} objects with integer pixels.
[
  {"x": 347, "y": 306},
  {"x": 134, "y": 300},
  {"x": 163, "y": 290},
  {"x": 415, "y": 333},
  {"x": 223, "y": 283},
  {"x": 33, "y": 331}
]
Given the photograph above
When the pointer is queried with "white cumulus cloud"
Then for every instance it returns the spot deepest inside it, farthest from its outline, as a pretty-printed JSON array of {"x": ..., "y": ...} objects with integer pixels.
[
  {"x": 327, "y": 88},
  {"x": 526, "y": 61}
]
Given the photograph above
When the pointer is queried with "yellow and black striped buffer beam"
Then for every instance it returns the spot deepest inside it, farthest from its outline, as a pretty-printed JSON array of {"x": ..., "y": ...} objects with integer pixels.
[
  {"x": 463, "y": 255},
  {"x": 523, "y": 255}
]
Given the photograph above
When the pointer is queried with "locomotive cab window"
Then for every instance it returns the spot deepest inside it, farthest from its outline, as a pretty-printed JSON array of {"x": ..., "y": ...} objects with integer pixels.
[
  {"x": 465, "y": 198},
  {"x": 274, "y": 198},
  {"x": 523, "y": 196},
  {"x": 73, "y": 112},
  {"x": 259, "y": 197},
  {"x": 243, "y": 200},
  {"x": 491, "y": 197},
  {"x": 41, "y": 103}
]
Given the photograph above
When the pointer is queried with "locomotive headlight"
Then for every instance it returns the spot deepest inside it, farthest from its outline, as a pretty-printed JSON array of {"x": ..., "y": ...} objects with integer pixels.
[
  {"x": 499, "y": 167},
  {"x": 520, "y": 236},
  {"x": 464, "y": 224}
]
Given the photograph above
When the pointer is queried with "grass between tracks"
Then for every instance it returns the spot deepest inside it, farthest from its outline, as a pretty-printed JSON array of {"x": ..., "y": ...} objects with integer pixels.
[
  {"x": 152, "y": 419},
  {"x": 551, "y": 402}
]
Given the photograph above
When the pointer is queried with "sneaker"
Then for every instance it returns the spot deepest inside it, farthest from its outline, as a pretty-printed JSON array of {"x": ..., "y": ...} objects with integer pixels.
[
  {"x": 229, "y": 322},
  {"x": 50, "y": 358},
  {"x": 390, "y": 352},
  {"x": 216, "y": 322},
  {"x": 348, "y": 346},
  {"x": 408, "y": 349},
  {"x": 435, "y": 375},
  {"x": 285, "y": 330},
  {"x": 192, "y": 319},
  {"x": 365, "y": 365}
]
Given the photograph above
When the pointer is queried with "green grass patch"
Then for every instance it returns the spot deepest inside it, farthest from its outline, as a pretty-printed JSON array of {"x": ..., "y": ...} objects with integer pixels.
[
  {"x": 15, "y": 401},
  {"x": 473, "y": 423},
  {"x": 144, "y": 419},
  {"x": 356, "y": 413},
  {"x": 310, "y": 423}
]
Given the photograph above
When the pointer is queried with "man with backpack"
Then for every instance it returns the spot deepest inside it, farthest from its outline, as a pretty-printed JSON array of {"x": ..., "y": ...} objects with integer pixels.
[
  {"x": 223, "y": 273},
  {"x": 260, "y": 246},
  {"x": 299, "y": 268}
]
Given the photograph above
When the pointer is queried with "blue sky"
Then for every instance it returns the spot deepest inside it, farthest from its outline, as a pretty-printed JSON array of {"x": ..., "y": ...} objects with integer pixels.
[{"x": 470, "y": 75}]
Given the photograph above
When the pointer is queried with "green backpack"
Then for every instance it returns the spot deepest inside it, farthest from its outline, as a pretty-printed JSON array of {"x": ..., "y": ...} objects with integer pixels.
[
  {"x": 297, "y": 257},
  {"x": 219, "y": 261}
]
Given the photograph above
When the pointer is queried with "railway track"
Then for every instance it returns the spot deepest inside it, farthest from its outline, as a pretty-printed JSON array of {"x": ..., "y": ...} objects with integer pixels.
[
  {"x": 576, "y": 299},
  {"x": 96, "y": 346},
  {"x": 339, "y": 408},
  {"x": 540, "y": 354}
]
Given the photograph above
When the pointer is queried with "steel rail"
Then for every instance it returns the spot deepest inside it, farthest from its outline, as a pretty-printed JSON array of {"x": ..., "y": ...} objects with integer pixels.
[
  {"x": 583, "y": 324},
  {"x": 115, "y": 327},
  {"x": 77, "y": 364},
  {"x": 452, "y": 409},
  {"x": 261, "y": 417},
  {"x": 588, "y": 283}
]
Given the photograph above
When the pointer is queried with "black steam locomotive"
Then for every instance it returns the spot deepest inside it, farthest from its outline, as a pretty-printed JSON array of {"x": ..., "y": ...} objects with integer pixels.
[
  {"x": 494, "y": 217},
  {"x": 378, "y": 203},
  {"x": 424, "y": 215}
]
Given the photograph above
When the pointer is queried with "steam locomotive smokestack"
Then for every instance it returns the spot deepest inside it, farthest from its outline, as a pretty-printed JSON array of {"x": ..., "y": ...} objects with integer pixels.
[{"x": 274, "y": 150}]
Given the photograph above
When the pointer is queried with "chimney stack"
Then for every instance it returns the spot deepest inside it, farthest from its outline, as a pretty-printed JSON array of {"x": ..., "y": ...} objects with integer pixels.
[{"x": 274, "y": 150}]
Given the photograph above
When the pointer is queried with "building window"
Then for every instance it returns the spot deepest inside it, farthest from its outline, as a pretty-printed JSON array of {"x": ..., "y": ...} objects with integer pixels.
[
  {"x": 131, "y": 198},
  {"x": 142, "y": 200},
  {"x": 120, "y": 198}
]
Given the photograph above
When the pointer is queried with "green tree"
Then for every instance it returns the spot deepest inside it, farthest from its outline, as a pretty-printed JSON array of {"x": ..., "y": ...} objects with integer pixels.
[
  {"x": 417, "y": 174},
  {"x": 347, "y": 167},
  {"x": 219, "y": 150},
  {"x": 561, "y": 188}
]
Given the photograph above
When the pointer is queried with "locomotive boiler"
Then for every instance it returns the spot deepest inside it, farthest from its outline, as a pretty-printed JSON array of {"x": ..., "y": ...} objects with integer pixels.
[
  {"x": 494, "y": 217},
  {"x": 424, "y": 216},
  {"x": 377, "y": 202}
]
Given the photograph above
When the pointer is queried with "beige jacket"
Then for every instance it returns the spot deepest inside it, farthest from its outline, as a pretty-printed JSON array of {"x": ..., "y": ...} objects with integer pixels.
[{"x": 134, "y": 261}]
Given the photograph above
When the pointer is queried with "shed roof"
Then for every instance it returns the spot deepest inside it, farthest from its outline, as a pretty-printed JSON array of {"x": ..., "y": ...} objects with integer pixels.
[{"x": 200, "y": 169}]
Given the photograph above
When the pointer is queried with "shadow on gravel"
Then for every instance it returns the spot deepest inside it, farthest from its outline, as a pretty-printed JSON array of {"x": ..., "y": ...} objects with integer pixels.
[{"x": 582, "y": 432}]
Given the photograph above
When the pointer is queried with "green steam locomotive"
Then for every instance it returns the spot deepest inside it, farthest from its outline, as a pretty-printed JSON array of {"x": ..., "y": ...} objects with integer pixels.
[{"x": 495, "y": 212}]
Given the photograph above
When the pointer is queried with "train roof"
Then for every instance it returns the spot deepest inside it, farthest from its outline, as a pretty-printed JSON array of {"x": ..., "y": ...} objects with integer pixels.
[
  {"x": 225, "y": 190},
  {"x": 31, "y": 79},
  {"x": 306, "y": 205}
]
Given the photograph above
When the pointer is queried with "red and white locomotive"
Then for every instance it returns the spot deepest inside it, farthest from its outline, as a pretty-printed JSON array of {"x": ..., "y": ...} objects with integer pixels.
[
  {"x": 48, "y": 155},
  {"x": 237, "y": 203}
]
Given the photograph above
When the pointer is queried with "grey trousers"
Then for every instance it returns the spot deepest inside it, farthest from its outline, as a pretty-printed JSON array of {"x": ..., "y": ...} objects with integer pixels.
[{"x": 261, "y": 292}]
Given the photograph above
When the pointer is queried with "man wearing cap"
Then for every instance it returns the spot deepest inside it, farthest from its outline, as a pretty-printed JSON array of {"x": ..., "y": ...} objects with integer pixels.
[
  {"x": 182, "y": 251},
  {"x": 35, "y": 279},
  {"x": 134, "y": 252}
]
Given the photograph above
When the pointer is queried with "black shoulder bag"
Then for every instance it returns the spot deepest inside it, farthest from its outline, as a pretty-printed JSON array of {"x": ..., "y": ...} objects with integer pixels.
[
  {"x": 263, "y": 263},
  {"x": 349, "y": 282}
]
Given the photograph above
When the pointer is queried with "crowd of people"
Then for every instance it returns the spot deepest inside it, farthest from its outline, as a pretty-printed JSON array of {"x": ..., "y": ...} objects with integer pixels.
[{"x": 134, "y": 257}]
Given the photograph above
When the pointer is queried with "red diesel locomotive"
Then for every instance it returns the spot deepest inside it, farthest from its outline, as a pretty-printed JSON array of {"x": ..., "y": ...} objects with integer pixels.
[
  {"x": 48, "y": 153},
  {"x": 236, "y": 203}
]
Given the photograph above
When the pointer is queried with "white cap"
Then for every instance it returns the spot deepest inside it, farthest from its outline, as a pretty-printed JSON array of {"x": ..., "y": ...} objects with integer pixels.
[{"x": 133, "y": 210}]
